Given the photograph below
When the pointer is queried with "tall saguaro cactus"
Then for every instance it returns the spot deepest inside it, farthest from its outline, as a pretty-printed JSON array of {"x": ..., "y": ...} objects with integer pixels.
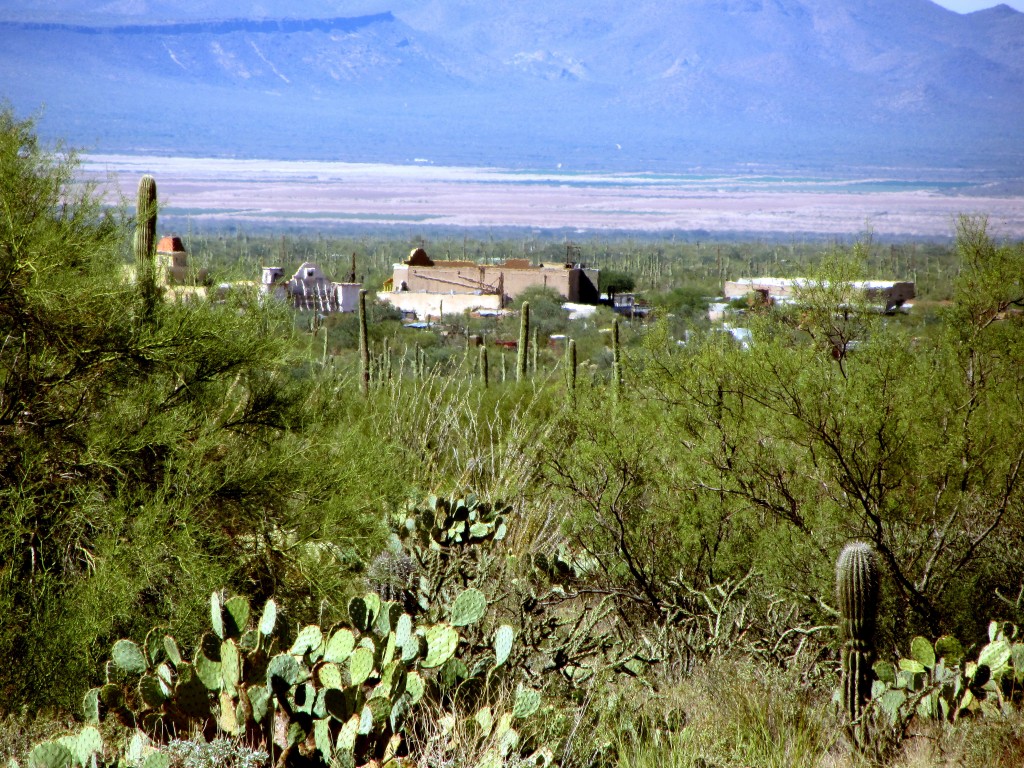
[
  {"x": 857, "y": 596},
  {"x": 364, "y": 345},
  {"x": 145, "y": 244},
  {"x": 524, "y": 341}
]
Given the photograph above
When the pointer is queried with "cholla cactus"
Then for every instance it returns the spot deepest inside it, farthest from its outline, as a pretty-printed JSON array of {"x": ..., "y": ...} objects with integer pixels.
[{"x": 857, "y": 596}]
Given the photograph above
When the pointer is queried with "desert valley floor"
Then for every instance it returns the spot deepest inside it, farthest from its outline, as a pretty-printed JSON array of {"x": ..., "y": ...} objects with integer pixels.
[{"x": 325, "y": 194}]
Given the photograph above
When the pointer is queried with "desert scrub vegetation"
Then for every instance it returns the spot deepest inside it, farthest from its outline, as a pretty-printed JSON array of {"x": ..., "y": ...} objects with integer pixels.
[
  {"x": 218, "y": 547},
  {"x": 149, "y": 452}
]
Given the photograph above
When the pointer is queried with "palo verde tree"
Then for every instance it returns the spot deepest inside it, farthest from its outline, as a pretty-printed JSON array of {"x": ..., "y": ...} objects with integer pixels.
[
  {"x": 836, "y": 424},
  {"x": 142, "y": 464}
]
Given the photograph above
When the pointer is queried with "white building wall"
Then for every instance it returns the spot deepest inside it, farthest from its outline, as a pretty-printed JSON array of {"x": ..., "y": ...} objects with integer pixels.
[
  {"x": 348, "y": 296},
  {"x": 432, "y": 304}
]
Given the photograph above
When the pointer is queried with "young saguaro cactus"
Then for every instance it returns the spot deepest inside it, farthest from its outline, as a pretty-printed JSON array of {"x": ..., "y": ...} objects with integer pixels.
[
  {"x": 857, "y": 596},
  {"x": 483, "y": 365},
  {"x": 524, "y": 341}
]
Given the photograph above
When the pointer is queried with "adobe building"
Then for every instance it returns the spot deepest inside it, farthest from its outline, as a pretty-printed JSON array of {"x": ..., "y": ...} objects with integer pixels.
[
  {"x": 172, "y": 264},
  {"x": 425, "y": 286},
  {"x": 893, "y": 294},
  {"x": 310, "y": 289}
]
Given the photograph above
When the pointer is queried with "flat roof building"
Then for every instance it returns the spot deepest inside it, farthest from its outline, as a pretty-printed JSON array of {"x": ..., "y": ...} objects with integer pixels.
[
  {"x": 421, "y": 274},
  {"x": 891, "y": 293}
]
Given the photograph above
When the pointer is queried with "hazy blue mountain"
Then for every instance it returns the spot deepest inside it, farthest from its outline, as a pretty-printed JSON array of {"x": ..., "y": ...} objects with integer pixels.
[{"x": 646, "y": 85}]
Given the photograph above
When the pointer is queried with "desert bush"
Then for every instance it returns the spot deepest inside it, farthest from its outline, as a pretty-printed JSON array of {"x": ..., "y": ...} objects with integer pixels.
[{"x": 143, "y": 463}]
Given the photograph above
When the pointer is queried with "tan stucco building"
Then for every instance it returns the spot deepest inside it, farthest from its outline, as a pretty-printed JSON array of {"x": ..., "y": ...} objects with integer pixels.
[{"x": 492, "y": 283}]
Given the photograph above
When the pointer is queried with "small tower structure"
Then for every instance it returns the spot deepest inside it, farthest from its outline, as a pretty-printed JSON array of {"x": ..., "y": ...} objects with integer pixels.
[{"x": 172, "y": 264}]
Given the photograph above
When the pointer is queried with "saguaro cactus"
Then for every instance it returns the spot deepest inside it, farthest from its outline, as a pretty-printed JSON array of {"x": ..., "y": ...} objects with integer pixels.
[
  {"x": 364, "y": 344},
  {"x": 145, "y": 243},
  {"x": 386, "y": 353},
  {"x": 483, "y": 365},
  {"x": 534, "y": 350},
  {"x": 616, "y": 362},
  {"x": 524, "y": 341},
  {"x": 570, "y": 364},
  {"x": 857, "y": 596}
]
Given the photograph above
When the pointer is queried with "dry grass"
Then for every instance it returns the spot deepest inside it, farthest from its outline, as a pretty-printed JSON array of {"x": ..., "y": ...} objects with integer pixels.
[{"x": 736, "y": 715}]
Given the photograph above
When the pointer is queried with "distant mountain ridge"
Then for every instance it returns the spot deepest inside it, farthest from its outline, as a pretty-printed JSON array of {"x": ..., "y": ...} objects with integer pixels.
[
  {"x": 211, "y": 26},
  {"x": 816, "y": 83}
]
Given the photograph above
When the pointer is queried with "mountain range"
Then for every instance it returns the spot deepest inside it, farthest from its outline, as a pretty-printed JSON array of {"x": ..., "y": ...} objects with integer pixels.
[{"x": 806, "y": 84}]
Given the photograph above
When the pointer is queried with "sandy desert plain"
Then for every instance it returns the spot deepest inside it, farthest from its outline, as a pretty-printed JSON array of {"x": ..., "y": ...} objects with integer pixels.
[{"x": 213, "y": 192}]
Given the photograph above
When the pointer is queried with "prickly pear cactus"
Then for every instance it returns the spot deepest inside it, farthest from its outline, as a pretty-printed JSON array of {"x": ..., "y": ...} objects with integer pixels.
[
  {"x": 442, "y": 641},
  {"x": 468, "y": 608},
  {"x": 155, "y": 688},
  {"x": 129, "y": 657},
  {"x": 83, "y": 746},
  {"x": 526, "y": 703},
  {"x": 191, "y": 696},
  {"x": 308, "y": 640},
  {"x": 857, "y": 596},
  {"x": 340, "y": 646},
  {"x": 91, "y": 706},
  {"x": 940, "y": 682},
  {"x": 207, "y": 662},
  {"x": 342, "y": 695},
  {"x": 457, "y": 522},
  {"x": 269, "y": 619},
  {"x": 360, "y": 665},
  {"x": 503, "y": 638},
  {"x": 362, "y": 611},
  {"x": 50, "y": 754}
]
